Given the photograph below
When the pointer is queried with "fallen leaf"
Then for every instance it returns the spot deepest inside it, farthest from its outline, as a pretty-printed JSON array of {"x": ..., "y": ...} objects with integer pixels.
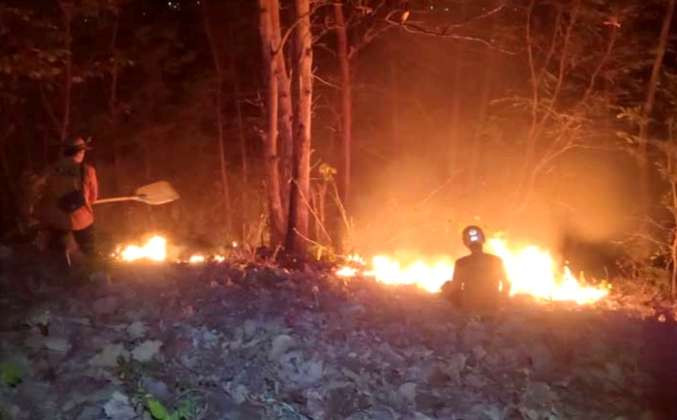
[{"x": 145, "y": 351}]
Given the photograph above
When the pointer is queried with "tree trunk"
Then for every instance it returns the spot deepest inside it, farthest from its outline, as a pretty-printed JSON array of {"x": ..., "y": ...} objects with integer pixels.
[
  {"x": 286, "y": 109},
  {"x": 455, "y": 145},
  {"x": 476, "y": 144},
  {"x": 270, "y": 158},
  {"x": 219, "y": 117},
  {"x": 645, "y": 168},
  {"x": 113, "y": 105},
  {"x": 67, "y": 15},
  {"x": 344, "y": 167},
  {"x": 244, "y": 207},
  {"x": 300, "y": 192}
]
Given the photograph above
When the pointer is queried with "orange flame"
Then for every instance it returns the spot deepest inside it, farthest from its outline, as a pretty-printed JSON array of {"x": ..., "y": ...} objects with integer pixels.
[
  {"x": 196, "y": 259},
  {"x": 155, "y": 249},
  {"x": 530, "y": 270}
]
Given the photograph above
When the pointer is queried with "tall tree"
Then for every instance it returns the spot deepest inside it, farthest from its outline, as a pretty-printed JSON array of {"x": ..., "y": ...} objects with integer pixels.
[
  {"x": 219, "y": 68},
  {"x": 299, "y": 199},
  {"x": 67, "y": 11},
  {"x": 647, "y": 108},
  {"x": 346, "y": 112},
  {"x": 285, "y": 104},
  {"x": 270, "y": 146}
]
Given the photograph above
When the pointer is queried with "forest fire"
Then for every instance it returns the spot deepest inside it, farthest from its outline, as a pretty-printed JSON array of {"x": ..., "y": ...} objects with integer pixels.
[
  {"x": 155, "y": 249},
  {"x": 531, "y": 271}
]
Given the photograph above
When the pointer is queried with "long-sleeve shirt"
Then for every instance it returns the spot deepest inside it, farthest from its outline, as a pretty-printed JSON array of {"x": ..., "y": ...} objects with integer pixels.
[{"x": 63, "y": 178}]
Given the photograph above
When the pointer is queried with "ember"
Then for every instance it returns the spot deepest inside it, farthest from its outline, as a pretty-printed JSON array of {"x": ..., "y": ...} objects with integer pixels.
[{"x": 530, "y": 269}]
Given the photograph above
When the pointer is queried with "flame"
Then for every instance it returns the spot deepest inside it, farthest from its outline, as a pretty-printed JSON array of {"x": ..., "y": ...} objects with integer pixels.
[
  {"x": 429, "y": 276},
  {"x": 196, "y": 259},
  {"x": 155, "y": 249},
  {"x": 347, "y": 271},
  {"x": 531, "y": 270}
]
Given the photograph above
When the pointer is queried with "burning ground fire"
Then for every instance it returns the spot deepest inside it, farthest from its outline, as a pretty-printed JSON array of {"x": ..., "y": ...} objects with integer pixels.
[
  {"x": 531, "y": 270},
  {"x": 155, "y": 250}
]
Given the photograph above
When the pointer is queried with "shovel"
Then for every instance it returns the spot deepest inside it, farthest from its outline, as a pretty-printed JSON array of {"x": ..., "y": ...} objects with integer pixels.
[{"x": 157, "y": 193}]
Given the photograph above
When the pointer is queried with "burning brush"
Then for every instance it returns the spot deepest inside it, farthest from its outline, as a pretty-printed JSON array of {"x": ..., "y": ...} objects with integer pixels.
[{"x": 531, "y": 270}]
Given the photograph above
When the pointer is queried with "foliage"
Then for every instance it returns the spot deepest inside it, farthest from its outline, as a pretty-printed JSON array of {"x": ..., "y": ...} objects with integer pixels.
[
  {"x": 187, "y": 409},
  {"x": 10, "y": 374}
]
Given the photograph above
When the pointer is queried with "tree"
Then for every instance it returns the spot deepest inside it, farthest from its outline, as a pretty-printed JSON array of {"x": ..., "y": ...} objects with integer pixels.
[
  {"x": 270, "y": 148},
  {"x": 647, "y": 108},
  {"x": 345, "y": 127},
  {"x": 219, "y": 68},
  {"x": 299, "y": 199}
]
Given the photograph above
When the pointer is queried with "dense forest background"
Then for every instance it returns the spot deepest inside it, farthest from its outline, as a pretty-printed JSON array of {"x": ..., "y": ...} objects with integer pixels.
[{"x": 551, "y": 120}]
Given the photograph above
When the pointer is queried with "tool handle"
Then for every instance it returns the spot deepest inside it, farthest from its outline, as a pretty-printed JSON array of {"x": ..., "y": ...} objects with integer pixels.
[{"x": 116, "y": 199}]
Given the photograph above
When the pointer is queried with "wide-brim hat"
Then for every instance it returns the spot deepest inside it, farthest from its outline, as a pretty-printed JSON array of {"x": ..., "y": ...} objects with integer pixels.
[{"x": 77, "y": 143}]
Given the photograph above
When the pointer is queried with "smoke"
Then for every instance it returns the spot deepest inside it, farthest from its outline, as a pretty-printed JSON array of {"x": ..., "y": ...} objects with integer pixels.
[{"x": 409, "y": 204}]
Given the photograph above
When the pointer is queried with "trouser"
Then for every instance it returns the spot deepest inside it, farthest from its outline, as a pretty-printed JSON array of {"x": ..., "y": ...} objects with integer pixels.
[{"x": 84, "y": 238}]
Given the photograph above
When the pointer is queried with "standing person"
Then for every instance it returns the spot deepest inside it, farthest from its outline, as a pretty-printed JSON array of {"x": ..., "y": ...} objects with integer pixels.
[
  {"x": 480, "y": 282},
  {"x": 71, "y": 189}
]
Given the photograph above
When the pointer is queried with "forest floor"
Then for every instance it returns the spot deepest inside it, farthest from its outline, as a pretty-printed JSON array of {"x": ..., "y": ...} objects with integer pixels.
[{"x": 247, "y": 341}]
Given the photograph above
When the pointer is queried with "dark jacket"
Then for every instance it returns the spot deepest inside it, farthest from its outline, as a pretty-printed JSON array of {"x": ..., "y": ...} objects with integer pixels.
[{"x": 479, "y": 282}]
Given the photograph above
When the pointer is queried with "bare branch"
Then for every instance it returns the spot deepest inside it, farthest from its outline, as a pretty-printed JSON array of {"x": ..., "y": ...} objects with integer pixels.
[{"x": 416, "y": 29}]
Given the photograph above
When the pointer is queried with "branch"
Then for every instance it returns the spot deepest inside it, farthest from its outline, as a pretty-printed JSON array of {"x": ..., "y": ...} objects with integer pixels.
[
  {"x": 326, "y": 82},
  {"x": 415, "y": 29},
  {"x": 532, "y": 68},
  {"x": 602, "y": 62},
  {"x": 478, "y": 17}
]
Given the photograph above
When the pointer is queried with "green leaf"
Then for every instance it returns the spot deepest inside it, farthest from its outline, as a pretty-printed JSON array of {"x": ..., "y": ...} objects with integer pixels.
[
  {"x": 10, "y": 374},
  {"x": 157, "y": 409}
]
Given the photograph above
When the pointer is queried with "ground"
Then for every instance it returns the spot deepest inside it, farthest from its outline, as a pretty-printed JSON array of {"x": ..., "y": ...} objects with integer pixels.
[{"x": 250, "y": 341}]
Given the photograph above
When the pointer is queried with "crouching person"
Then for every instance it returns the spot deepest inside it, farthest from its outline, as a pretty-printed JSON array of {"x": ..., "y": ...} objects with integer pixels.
[
  {"x": 65, "y": 208},
  {"x": 479, "y": 284}
]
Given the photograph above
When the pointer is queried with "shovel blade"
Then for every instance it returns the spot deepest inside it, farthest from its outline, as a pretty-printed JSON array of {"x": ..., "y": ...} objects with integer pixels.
[{"x": 157, "y": 193}]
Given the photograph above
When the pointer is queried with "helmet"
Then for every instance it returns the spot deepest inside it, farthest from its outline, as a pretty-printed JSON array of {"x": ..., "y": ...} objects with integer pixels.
[
  {"x": 473, "y": 235},
  {"x": 72, "y": 146}
]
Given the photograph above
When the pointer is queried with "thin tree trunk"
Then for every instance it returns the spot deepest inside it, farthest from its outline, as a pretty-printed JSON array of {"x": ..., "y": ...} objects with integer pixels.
[
  {"x": 286, "y": 109},
  {"x": 476, "y": 145},
  {"x": 346, "y": 116},
  {"x": 67, "y": 14},
  {"x": 7, "y": 172},
  {"x": 113, "y": 105},
  {"x": 395, "y": 105},
  {"x": 219, "y": 117},
  {"x": 670, "y": 166},
  {"x": 645, "y": 168},
  {"x": 148, "y": 172},
  {"x": 300, "y": 192},
  {"x": 270, "y": 158},
  {"x": 455, "y": 117},
  {"x": 539, "y": 124},
  {"x": 244, "y": 207}
]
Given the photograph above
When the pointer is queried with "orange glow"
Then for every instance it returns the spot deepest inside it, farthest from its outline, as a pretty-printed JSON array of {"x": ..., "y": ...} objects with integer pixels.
[
  {"x": 155, "y": 249},
  {"x": 530, "y": 270},
  {"x": 196, "y": 259},
  {"x": 428, "y": 275},
  {"x": 346, "y": 271}
]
